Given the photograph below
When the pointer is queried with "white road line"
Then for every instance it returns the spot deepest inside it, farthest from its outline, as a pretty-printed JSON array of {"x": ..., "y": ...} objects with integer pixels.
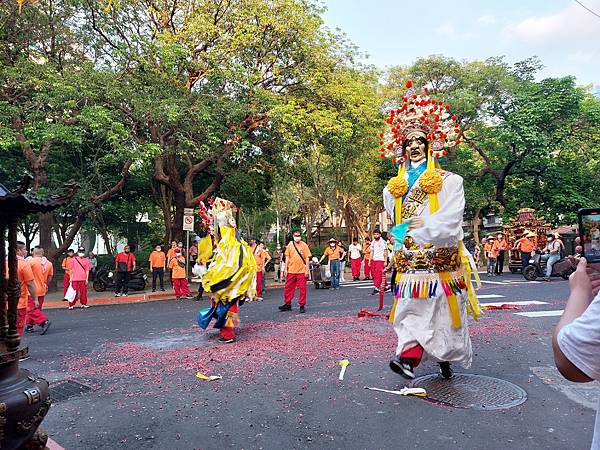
[
  {"x": 554, "y": 313},
  {"x": 523, "y": 303},
  {"x": 490, "y": 296},
  {"x": 494, "y": 282}
]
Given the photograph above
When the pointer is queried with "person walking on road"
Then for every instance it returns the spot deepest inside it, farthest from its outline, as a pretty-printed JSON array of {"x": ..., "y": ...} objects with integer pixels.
[
  {"x": 525, "y": 246},
  {"x": 502, "y": 247},
  {"x": 335, "y": 255},
  {"x": 42, "y": 270},
  {"x": 124, "y": 265},
  {"x": 262, "y": 258},
  {"x": 28, "y": 288},
  {"x": 79, "y": 270},
  {"x": 342, "y": 262},
  {"x": 296, "y": 271},
  {"x": 576, "y": 338},
  {"x": 553, "y": 248},
  {"x": 65, "y": 267},
  {"x": 355, "y": 251},
  {"x": 368, "y": 256},
  {"x": 379, "y": 255},
  {"x": 180, "y": 284},
  {"x": 158, "y": 261}
]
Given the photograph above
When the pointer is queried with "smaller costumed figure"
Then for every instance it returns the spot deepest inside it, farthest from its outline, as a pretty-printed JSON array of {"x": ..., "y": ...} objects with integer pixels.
[
  {"x": 433, "y": 290},
  {"x": 230, "y": 276}
]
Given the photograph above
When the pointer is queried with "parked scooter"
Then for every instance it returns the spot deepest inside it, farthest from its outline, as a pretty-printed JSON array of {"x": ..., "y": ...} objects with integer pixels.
[
  {"x": 105, "y": 279},
  {"x": 537, "y": 267}
]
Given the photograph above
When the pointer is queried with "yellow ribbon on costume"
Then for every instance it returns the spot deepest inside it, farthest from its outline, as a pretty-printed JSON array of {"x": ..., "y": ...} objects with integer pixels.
[
  {"x": 398, "y": 202},
  {"x": 474, "y": 306},
  {"x": 446, "y": 279},
  {"x": 393, "y": 311},
  {"x": 434, "y": 203}
]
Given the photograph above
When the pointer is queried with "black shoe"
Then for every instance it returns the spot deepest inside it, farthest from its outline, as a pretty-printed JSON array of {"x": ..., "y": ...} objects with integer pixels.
[
  {"x": 226, "y": 341},
  {"x": 153, "y": 290},
  {"x": 197, "y": 298},
  {"x": 162, "y": 289},
  {"x": 375, "y": 291},
  {"x": 446, "y": 370},
  {"x": 45, "y": 326},
  {"x": 402, "y": 367},
  {"x": 302, "y": 309},
  {"x": 29, "y": 329},
  {"x": 285, "y": 307}
]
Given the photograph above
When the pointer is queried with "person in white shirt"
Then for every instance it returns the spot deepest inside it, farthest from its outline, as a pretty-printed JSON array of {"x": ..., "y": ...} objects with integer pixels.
[
  {"x": 576, "y": 339},
  {"x": 379, "y": 255},
  {"x": 355, "y": 252}
]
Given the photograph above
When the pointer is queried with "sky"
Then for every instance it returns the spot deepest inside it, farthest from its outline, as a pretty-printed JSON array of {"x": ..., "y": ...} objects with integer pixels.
[{"x": 564, "y": 35}]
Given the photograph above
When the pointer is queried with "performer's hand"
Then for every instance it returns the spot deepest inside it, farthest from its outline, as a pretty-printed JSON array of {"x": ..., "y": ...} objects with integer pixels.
[
  {"x": 36, "y": 303},
  {"x": 415, "y": 222}
]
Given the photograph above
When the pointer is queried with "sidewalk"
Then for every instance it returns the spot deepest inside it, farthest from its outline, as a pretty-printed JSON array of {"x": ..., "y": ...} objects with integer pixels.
[{"x": 54, "y": 300}]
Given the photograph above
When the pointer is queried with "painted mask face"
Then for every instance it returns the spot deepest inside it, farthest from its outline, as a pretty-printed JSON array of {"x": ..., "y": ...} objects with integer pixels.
[{"x": 416, "y": 150}]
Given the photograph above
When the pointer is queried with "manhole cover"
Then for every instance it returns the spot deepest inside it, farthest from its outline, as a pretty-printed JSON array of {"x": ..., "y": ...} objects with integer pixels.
[
  {"x": 471, "y": 391},
  {"x": 63, "y": 390}
]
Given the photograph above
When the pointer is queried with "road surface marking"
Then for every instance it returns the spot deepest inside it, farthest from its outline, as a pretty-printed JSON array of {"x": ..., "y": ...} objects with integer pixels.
[
  {"x": 490, "y": 296},
  {"x": 554, "y": 313}
]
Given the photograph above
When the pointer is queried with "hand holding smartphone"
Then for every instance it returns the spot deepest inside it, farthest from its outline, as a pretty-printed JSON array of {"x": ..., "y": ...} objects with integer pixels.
[{"x": 589, "y": 233}]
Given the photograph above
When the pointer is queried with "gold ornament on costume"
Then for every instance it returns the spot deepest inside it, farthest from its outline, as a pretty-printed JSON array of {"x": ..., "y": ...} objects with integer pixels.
[
  {"x": 397, "y": 186},
  {"x": 430, "y": 182}
]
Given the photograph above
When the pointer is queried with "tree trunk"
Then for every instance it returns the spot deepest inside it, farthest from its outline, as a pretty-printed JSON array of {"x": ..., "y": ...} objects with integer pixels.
[
  {"x": 177, "y": 224},
  {"x": 103, "y": 231},
  {"x": 45, "y": 231},
  {"x": 476, "y": 225}
]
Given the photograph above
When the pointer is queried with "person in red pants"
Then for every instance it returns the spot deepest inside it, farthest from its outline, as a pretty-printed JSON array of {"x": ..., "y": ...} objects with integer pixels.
[
  {"x": 25, "y": 277},
  {"x": 262, "y": 259},
  {"x": 79, "y": 271},
  {"x": 42, "y": 273},
  {"x": 367, "y": 258},
  {"x": 355, "y": 251},
  {"x": 66, "y": 262},
  {"x": 379, "y": 255},
  {"x": 297, "y": 256},
  {"x": 179, "y": 277}
]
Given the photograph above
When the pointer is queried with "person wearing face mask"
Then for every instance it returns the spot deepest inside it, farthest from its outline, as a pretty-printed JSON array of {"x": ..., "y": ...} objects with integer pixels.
[
  {"x": 335, "y": 255},
  {"x": 379, "y": 255},
  {"x": 157, "y": 267},
  {"x": 296, "y": 271},
  {"x": 553, "y": 248},
  {"x": 180, "y": 284},
  {"x": 79, "y": 270},
  {"x": 28, "y": 287},
  {"x": 501, "y": 247},
  {"x": 124, "y": 265}
]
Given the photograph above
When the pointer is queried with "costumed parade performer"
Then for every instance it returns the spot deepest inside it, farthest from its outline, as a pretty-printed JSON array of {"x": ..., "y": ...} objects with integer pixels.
[
  {"x": 230, "y": 277},
  {"x": 433, "y": 289}
]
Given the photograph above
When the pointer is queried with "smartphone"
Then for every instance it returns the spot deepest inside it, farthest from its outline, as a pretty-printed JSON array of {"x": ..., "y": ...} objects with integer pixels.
[{"x": 589, "y": 233}]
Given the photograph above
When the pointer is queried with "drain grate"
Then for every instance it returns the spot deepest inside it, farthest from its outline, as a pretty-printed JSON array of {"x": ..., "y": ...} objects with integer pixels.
[
  {"x": 471, "y": 391},
  {"x": 63, "y": 390}
]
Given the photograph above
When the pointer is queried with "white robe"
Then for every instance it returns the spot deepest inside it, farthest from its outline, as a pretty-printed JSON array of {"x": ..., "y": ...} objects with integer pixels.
[{"x": 427, "y": 321}]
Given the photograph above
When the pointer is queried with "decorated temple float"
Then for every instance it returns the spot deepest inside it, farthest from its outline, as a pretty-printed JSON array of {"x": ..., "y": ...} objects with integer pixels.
[{"x": 526, "y": 220}]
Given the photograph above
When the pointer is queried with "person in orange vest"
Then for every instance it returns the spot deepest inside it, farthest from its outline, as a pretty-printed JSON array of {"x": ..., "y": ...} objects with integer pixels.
[
  {"x": 502, "y": 247},
  {"x": 180, "y": 284},
  {"x": 42, "y": 273},
  {"x": 65, "y": 267},
  {"x": 525, "y": 246},
  {"x": 28, "y": 288},
  {"x": 296, "y": 271},
  {"x": 367, "y": 259},
  {"x": 157, "y": 267},
  {"x": 491, "y": 253},
  {"x": 262, "y": 258}
]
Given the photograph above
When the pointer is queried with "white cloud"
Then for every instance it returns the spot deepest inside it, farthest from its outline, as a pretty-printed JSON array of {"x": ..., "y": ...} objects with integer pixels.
[
  {"x": 583, "y": 57},
  {"x": 486, "y": 20},
  {"x": 448, "y": 30},
  {"x": 573, "y": 21}
]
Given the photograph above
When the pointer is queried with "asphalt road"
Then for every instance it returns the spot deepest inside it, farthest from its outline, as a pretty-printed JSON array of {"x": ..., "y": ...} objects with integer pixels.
[{"x": 280, "y": 385}]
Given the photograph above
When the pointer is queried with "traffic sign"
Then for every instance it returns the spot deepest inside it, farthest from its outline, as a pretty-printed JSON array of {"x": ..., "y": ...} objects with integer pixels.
[{"x": 188, "y": 223}]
